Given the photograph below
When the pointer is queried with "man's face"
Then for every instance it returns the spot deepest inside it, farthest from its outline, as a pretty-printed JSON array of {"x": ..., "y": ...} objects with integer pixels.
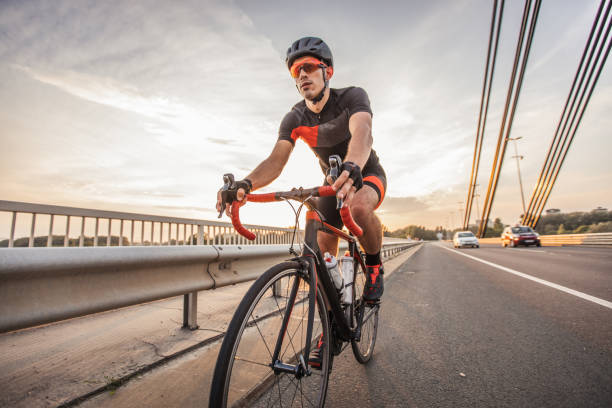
[{"x": 310, "y": 85}]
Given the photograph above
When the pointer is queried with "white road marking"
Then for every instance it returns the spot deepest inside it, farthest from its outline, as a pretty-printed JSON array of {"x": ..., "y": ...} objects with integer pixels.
[
  {"x": 530, "y": 250},
  {"x": 581, "y": 295}
]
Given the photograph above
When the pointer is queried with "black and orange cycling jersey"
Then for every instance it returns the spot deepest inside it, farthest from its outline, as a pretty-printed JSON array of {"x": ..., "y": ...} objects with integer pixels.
[{"x": 327, "y": 133}]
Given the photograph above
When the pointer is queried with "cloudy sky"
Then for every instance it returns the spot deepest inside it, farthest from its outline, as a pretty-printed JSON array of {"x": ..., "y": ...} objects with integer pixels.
[{"x": 141, "y": 106}]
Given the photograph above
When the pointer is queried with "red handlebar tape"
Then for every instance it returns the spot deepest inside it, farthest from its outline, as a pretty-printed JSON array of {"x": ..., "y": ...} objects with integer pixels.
[
  {"x": 261, "y": 198},
  {"x": 347, "y": 219},
  {"x": 236, "y": 222},
  {"x": 324, "y": 191}
]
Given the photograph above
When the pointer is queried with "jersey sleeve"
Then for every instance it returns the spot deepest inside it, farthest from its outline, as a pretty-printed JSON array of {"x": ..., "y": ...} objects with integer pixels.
[
  {"x": 357, "y": 101},
  {"x": 287, "y": 125}
]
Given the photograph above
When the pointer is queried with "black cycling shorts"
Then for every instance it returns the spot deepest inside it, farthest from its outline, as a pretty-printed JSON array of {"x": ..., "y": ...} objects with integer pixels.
[{"x": 375, "y": 178}]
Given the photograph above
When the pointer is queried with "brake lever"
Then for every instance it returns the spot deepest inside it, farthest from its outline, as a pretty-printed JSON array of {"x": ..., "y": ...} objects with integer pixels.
[
  {"x": 228, "y": 184},
  {"x": 335, "y": 162}
]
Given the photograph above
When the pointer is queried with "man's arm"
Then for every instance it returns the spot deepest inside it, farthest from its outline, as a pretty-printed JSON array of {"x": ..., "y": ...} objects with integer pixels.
[
  {"x": 265, "y": 172},
  {"x": 360, "y": 126},
  {"x": 360, "y": 146},
  {"x": 269, "y": 169}
]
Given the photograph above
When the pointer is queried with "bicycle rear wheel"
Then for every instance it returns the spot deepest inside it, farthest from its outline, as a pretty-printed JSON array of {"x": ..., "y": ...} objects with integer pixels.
[
  {"x": 363, "y": 348},
  {"x": 243, "y": 374}
]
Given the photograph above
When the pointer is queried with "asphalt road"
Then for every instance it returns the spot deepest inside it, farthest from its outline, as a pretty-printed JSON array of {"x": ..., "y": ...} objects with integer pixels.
[
  {"x": 454, "y": 331},
  {"x": 457, "y": 332}
]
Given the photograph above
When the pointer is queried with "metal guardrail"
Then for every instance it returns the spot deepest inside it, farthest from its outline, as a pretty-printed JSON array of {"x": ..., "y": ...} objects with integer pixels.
[
  {"x": 44, "y": 285},
  {"x": 577, "y": 239},
  {"x": 597, "y": 239},
  {"x": 143, "y": 229}
]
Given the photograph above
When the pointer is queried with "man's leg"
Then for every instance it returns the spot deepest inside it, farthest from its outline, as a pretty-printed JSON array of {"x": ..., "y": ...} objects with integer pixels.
[
  {"x": 362, "y": 207},
  {"x": 327, "y": 243}
]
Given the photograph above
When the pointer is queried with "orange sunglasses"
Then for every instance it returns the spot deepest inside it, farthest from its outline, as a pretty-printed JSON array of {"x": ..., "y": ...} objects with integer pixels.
[{"x": 308, "y": 64}]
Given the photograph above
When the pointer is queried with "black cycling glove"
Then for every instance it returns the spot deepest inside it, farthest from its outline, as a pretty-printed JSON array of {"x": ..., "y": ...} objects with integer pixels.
[
  {"x": 354, "y": 173},
  {"x": 245, "y": 184},
  {"x": 230, "y": 188}
]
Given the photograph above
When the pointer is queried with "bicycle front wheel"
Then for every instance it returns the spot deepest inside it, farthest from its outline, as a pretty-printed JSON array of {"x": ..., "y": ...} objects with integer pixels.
[
  {"x": 367, "y": 314},
  {"x": 244, "y": 374}
]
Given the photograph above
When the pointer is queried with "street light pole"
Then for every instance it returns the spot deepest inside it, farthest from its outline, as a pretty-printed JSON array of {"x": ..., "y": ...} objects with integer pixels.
[
  {"x": 460, "y": 211},
  {"x": 518, "y": 169},
  {"x": 477, "y": 206}
]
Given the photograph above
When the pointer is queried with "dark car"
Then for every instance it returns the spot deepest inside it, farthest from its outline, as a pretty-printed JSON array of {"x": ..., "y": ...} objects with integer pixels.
[{"x": 520, "y": 235}]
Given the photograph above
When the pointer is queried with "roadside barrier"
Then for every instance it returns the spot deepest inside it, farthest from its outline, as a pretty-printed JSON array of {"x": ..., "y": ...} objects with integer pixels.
[
  {"x": 45, "y": 285},
  {"x": 599, "y": 239},
  {"x": 85, "y": 227}
]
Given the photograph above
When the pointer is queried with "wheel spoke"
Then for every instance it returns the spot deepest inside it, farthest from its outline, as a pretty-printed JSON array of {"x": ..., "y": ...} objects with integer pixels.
[
  {"x": 246, "y": 360},
  {"x": 278, "y": 307},
  {"x": 294, "y": 394},
  {"x": 271, "y": 393},
  {"x": 364, "y": 348},
  {"x": 264, "y": 340},
  {"x": 302, "y": 392},
  {"x": 248, "y": 379},
  {"x": 291, "y": 337},
  {"x": 280, "y": 395}
]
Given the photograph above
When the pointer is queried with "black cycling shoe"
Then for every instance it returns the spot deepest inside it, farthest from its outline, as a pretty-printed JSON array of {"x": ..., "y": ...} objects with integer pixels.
[
  {"x": 316, "y": 360},
  {"x": 374, "y": 286}
]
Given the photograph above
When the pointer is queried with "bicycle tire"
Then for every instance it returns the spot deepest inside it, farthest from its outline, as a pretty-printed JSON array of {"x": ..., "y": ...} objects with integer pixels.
[
  {"x": 363, "y": 348},
  {"x": 243, "y": 375}
]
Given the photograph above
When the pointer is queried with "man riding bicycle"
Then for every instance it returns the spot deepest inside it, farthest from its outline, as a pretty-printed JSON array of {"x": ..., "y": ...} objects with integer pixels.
[{"x": 331, "y": 121}]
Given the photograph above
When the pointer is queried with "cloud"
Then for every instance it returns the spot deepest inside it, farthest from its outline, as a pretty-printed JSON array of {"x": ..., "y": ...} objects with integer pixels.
[
  {"x": 401, "y": 205},
  {"x": 398, "y": 212},
  {"x": 109, "y": 92},
  {"x": 132, "y": 105}
]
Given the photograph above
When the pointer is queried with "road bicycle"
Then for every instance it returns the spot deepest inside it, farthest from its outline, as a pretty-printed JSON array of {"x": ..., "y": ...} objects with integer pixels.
[{"x": 279, "y": 347}]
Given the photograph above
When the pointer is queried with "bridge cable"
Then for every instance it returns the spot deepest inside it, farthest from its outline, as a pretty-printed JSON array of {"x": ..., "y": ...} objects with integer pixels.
[
  {"x": 484, "y": 102},
  {"x": 548, "y": 170},
  {"x": 577, "y": 114},
  {"x": 554, "y": 144},
  {"x": 512, "y": 98}
]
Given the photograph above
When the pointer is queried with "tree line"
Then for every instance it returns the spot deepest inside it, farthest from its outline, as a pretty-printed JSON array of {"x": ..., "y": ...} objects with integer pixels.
[{"x": 598, "y": 220}]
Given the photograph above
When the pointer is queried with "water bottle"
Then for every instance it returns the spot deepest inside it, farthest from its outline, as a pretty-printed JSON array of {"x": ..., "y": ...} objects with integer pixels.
[
  {"x": 347, "y": 266},
  {"x": 332, "y": 266}
]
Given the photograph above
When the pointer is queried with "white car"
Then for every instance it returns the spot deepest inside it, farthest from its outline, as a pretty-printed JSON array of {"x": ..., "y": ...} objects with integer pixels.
[{"x": 465, "y": 239}]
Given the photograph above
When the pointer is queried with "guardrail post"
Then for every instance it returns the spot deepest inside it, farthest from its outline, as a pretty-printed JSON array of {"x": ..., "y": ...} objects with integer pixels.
[
  {"x": 31, "y": 241},
  {"x": 190, "y": 311},
  {"x": 50, "y": 236},
  {"x": 67, "y": 236},
  {"x": 82, "y": 236},
  {"x": 12, "y": 236},
  {"x": 190, "y": 300},
  {"x": 96, "y": 232},
  {"x": 131, "y": 232},
  {"x": 200, "y": 239},
  {"x": 108, "y": 234}
]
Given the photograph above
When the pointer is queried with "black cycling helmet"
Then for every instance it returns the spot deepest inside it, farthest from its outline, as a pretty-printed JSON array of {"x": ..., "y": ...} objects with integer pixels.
[
  {"x": 309, "y": 46},
  {"x": 315, "y": 47}
]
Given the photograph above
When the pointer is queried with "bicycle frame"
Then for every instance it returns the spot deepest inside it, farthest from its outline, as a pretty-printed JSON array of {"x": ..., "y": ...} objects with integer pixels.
[
  {"x": 315, "y": 269},
  {"x": 314, "y": 224},
  {"x": 313, "y": 262}
]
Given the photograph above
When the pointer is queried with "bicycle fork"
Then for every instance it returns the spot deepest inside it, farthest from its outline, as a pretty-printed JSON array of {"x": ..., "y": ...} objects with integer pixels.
[{"x": 301, "y": 368}]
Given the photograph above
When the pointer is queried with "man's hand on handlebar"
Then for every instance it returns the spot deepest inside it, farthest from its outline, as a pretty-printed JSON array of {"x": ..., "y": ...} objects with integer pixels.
[
  {"x": 343, "y": 186},
  {"x": 349, "y": 180},
  {"x": 240, "y": 194},
  {"x": 230, "y": 192}
]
